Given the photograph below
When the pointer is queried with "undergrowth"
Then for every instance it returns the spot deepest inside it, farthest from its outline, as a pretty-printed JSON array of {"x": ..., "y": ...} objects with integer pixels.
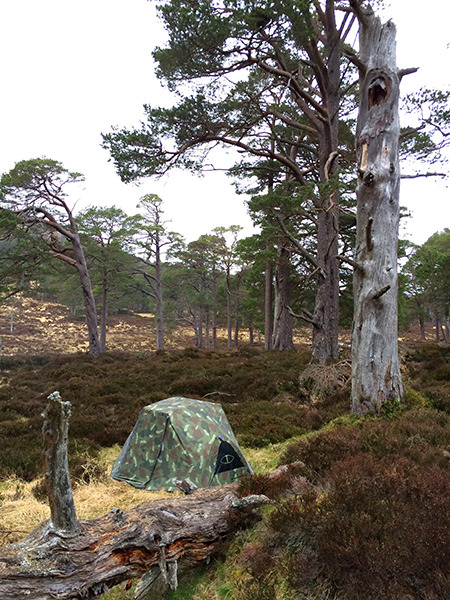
[
  {"x": 363, "y": 515},
  {"x": 372, "y": 521}
]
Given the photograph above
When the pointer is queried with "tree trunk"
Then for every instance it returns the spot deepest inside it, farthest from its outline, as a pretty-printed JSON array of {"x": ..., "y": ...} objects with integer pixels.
[
  {"x": 59, "y": 490},
  {"x": 375, "y": 368},
  {"x": 282, "y": 330},
  {"x": 104, "y": 313},
  {"x": 236, "y": 332},
  {"x": 268, "y": 307},
  {"x": 325, "y": 345},
  {"x": 422, "y": 328},
  {"x": 207, "y": 328},
  {"x": 159, "y": 300},
  {"x": 88, "y": 296},
  {"x": 229, "y": 317},
  {"x": 200, "y": 328},
  {"x": 214, "y": 314}
]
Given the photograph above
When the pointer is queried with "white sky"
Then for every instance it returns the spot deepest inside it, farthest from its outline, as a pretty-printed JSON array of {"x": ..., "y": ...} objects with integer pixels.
[{"x": 70, "y": 70}]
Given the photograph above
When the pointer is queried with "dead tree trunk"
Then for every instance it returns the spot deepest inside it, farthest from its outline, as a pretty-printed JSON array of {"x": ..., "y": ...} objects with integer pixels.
[
  {"x": 59, "y": 490},
  {"x": 375, "y": 368}
]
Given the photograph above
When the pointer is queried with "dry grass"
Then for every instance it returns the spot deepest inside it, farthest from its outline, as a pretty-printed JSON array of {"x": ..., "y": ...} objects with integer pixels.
[
  {"x": 264, "y": 460},
  {"x": 21, "y": 512}
]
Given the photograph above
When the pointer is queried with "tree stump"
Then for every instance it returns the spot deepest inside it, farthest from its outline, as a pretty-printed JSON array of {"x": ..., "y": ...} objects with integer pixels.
[{"x": 59, "y": 490}]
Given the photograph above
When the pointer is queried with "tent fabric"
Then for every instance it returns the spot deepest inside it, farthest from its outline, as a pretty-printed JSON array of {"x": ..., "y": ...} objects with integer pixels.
[{"x": 180, "y": 438}]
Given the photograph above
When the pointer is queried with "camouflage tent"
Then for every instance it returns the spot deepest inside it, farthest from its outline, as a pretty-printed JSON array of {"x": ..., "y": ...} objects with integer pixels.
[{"x": 179, "y": 438}]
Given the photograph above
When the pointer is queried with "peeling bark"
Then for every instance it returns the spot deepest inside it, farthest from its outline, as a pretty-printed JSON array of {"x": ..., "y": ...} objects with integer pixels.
[{"x": 375, "y": 368}]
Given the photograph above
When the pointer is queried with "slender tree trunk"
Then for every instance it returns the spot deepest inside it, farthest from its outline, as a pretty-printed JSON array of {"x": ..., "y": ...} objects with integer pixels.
[
  {"x": 214, "y": 314},
  {"x": 207, "y": 327},
  {"x": 200, "y": 328},
  {"x": 159, "y": 299},
  {"x": 104, "y": 313},
  {"x": 376, "y": 374},
  {"x": 325, "y": 345},
  {"x": 437, "y": 325},
  {"x": 268, "y": 307},
  {"x": 251, "y": 335},
  {"x": 88, "y": 296},
  {"x": 282, "y": 331},
  {"x": 229, "y": 317},
  {"x": 422, "y": 328}
]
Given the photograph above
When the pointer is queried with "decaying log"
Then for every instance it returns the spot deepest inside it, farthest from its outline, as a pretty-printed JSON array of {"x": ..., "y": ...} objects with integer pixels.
[{"x": 122, "y": 545}]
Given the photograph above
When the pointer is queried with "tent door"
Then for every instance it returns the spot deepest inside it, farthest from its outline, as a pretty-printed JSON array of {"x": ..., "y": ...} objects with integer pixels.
[{"x": 227, "y": 458}]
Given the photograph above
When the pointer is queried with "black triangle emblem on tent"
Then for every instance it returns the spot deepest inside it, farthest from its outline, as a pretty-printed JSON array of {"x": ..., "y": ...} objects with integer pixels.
[{"x": 227, "y": 458}]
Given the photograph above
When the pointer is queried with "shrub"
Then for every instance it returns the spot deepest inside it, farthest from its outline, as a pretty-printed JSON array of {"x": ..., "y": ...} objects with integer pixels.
[
  {"x": 285, "y": 482},
  {"x": 420, "y": 435},
  {"x": 383, "y": 529}
]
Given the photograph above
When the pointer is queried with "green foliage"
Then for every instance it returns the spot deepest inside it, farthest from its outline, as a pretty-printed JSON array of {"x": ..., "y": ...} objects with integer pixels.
[
  {"x": 426, "y": 277},
  {"x": 107, "y": 234},
  {"x": 35, "y": 180},
  {"x": 24, "y": 256},
  {"x": 428, "y": 136}
]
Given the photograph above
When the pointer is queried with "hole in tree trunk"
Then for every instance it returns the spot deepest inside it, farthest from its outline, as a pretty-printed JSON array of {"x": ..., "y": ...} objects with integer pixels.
[{"x": 379, "y": 90}]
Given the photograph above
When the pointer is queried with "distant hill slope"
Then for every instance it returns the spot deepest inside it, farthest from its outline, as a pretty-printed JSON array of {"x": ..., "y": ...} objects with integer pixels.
[{"x": 45, "y": 327}]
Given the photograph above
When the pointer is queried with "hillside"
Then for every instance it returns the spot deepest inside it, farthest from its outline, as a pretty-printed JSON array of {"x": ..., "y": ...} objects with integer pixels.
[{"x": 43, "y": 327}]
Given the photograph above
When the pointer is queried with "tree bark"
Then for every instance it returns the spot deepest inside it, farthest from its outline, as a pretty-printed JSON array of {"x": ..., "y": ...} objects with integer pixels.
[
  {"x": 422, "y": 328},
  {"x": 268, "y": 307},
  {"x": 104, "y": 313},
  {"x": 325, "y": 345},
  {"x": 159, "y": 296},
  {"x": 282, "y": 330},
  {"x": 122, "y": 545},
  {"x": 375, "y": 368},
  {"x": 229, "y": 315},
  {"x": 59, "y": 490},
  {"x": 88, "y": 296}
]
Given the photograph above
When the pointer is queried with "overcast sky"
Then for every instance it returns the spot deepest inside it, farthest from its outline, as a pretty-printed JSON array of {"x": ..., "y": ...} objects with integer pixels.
[{"x": 70, "y": 70}]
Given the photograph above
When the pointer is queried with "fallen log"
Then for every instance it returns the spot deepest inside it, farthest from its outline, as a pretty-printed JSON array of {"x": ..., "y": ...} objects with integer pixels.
[{"x": 122, "y": 545}]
